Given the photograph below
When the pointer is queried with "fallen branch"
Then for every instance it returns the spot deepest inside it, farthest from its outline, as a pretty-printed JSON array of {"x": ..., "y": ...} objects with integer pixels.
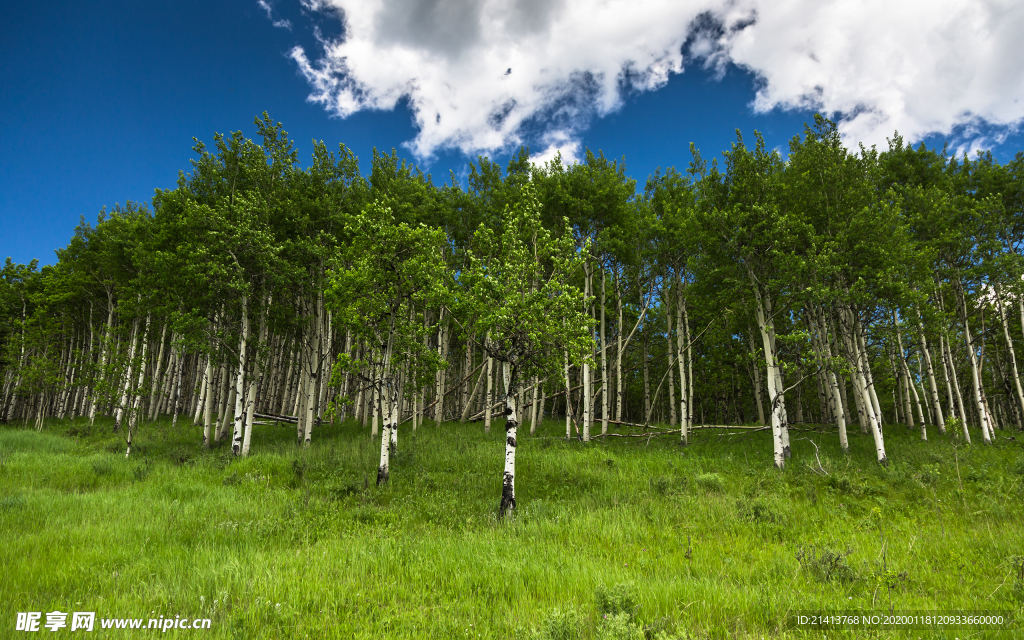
[
  {"x": 454, "y": 388},
  {"x": 498, "y": 405},
  {"x": 275, "y": 417},
  {"x": 635, "y": 435}
]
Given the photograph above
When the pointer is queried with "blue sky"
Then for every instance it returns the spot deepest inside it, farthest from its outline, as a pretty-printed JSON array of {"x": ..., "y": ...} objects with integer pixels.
[{"x": 101, "y": 101}]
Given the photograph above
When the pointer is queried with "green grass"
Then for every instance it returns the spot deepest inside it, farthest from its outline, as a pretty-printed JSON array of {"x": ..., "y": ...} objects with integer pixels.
[{"x": 610, "y": 539}]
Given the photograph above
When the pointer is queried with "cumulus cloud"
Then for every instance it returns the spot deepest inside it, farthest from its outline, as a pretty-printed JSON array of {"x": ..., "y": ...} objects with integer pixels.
[
  {"x": 916, "y": 67},
  {"x": 487, "y": 75}
]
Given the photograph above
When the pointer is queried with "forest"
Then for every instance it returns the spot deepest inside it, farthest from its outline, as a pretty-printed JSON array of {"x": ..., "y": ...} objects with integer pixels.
[{"x": 862, "y": 295}]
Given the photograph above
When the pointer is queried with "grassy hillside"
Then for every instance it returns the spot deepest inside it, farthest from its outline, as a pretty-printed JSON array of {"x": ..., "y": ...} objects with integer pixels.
[{"x": 622, "y": 538}]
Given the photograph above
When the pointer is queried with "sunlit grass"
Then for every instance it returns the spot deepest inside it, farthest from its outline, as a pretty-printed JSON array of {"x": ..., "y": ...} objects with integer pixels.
[{"x": 707, "y": 540}]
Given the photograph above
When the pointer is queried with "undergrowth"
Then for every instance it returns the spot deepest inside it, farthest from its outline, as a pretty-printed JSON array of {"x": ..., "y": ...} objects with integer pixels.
[{"x": 618, "y": 538}]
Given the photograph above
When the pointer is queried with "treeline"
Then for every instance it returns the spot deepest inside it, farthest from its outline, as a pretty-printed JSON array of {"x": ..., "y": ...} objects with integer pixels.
[{"x": 849, "y": 288}]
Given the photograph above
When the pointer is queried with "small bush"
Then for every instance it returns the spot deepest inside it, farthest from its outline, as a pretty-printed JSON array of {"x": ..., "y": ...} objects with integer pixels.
[
  {"x": 762, "y": 511},
  {"x": 619, "y": 627},
  {"x": 561, "y": 624},
  {"x": 617, "y": 599},
  {"x": 181, "y": 455},
  {"x": 929, "y": 474},
  {"x": 662, "y": 485},
  {"x": 102, "y": 466},
  {"x": 826, "y": 565},
  {"x": 1017, "y": 563},
  {"x": 842, "y": 483},
  {"x": 142, "y": 470},
  {"x": 12, "y": 502},
  {"x": 710, "y": 482},
  {"x": 1018, "y": 467}
]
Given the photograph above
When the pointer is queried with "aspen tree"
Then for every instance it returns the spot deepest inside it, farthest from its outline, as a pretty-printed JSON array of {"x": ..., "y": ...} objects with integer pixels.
[
  {"x": 524, "y": 324},
  {"x": 388, "y": 267}
]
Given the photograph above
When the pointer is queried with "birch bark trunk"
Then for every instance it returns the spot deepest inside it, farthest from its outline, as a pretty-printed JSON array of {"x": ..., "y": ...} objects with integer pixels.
[
  {"x": 681, "y": 350},
  {"x": 508, "y": 483},
  {"x": 104, "y": 350},
  {"x": 237, "y": 435},
  {"x": 862, "y": 393},
  {"x": 384, "y": 468},
  {"x": 489, "y": 397},
  {"x": 119, "y": 413},
  {"x": 568, "y": 399},
  {"x": 208, "y": 412},
  {"x": 586, "y": 363},
  {"x": 605, "y": 404},
  {"x": 254, "y": 382},
  {"x": 983, "y": 417},
  {"x": 668, "y": 352},
  {"x": 776, "y": 397},
  {"x": 157, "y": 376},
  {"x": 932, "y": 383},
  {"x": 1009, "y": 348},
  {"x": 133, "y": 417}
]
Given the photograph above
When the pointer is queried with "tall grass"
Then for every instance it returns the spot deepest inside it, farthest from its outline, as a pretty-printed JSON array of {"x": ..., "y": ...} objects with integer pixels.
[{"x": 706, "y": 541}]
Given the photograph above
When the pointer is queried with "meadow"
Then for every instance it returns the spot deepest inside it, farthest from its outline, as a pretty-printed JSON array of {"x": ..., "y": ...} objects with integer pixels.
[{"x": 618, "y": 538}]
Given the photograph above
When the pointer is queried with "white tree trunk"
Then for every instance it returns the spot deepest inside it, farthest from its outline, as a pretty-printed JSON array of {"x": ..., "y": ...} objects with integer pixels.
[
  {"x": 605, "y": 404},
  {"x": 932, "y": 383},
  {"x": 1009, "y": 348},
  {"x": 983, "y": 416},
  {"x": 671, "y": 372},
  {"x": 133, "y": 417},
  {"x": 385, "y": 396},
  {"x": 254, "y": 382},
  {"x": 681, "y": 349},
  {"x": 238, "y": 433},
  {"x": 119, "y": 413},
  {"x": 508, "y": 483},
  {"x": 859, "y": 365},
  {"x": 586, "y": 365},
  {"x": 489, "y": 397},
  {"x": 776, "y": 397}
]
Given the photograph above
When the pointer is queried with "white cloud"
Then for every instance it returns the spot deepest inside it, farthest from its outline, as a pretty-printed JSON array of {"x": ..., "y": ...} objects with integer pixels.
[
  {"x": 917, "y": 67},
  {"x": 485, "y": 75},
  {"x": 561, "y": 143},
  {"x": 280, "y": 24}
]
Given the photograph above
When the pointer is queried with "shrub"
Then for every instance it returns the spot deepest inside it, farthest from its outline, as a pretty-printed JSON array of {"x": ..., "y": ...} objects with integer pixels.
[
  {"x": 1018, "y": 467},
  {"x": 619, "y": 627},
  {"x": 710, "y": 482},
  {"x": 617, "y": 599},
  {"x": 762, "y": 511},
  {"x": 561, "y": 624},
  {"x": 826, "y": 565}
]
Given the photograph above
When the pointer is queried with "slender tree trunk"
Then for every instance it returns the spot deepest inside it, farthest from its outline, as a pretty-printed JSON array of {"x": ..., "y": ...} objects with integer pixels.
[
  {"x": 861, "y": 381},
  {"x": 668, "y": 352},
  {"x": 605, "y": 382},
  {"x": 133, "y": 417},
  {"x": 490, "y": 392},
  {"x": 681, "y": 351},
  {"x": 208, "y": 413},
  {"x": 508, "y": 484},
  {"x": 585, "y": 368},
  {"x": 254, "y": 382},
  {"x": 983, "y": 417},
  {"x": 618, "y": 350},
  {"x": 156, "y": 375},
  {"x": 119, "y": 415},
  {"x": 775, "y": 393},
  {"x": 238, "y": 434},
  {"x": 384, "y": 469},
  {"x": 932, "y": 384},
  {"x": 1009, "y": 348},
  {"x": 568, "y": 396}
]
